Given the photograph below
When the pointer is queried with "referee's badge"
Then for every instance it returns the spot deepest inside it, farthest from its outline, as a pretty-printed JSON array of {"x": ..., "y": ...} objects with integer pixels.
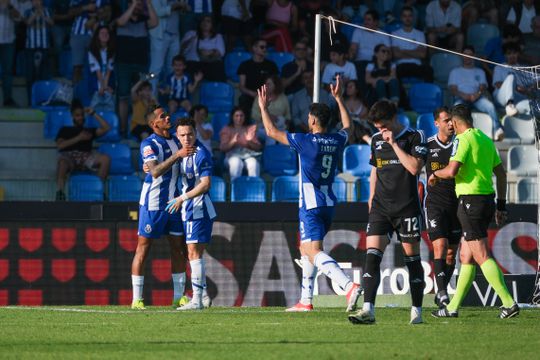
[{"x": 455, "y": 146}]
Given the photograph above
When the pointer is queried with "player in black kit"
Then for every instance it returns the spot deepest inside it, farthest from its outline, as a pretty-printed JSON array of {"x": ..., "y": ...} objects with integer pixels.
[
  {"x": 443, "y": 226},
  {"x": 397, "y": 157}
]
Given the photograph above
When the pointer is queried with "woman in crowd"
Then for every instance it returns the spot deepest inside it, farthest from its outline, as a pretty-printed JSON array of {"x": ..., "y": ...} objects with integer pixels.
[
  {"x": 381, "y": 75},
  {"x": 205, "y": 130},
  {"x": 281, "y": 20},
  {"x": 357, "y": 112},
  {"x": 101, "y": 62},
  {"x": 240, "y": 144}
]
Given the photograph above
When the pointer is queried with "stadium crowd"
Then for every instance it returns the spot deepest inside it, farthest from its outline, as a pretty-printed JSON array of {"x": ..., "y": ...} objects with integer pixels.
[{"x": 124, "y": 56}]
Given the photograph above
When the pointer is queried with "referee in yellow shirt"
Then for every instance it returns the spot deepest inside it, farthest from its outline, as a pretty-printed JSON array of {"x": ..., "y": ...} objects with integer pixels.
[{"x": 474, "y": 159}]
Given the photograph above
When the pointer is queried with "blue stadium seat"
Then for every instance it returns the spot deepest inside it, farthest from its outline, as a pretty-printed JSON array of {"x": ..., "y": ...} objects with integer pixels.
[
  {"x": 124, "y": 188},
  {"x": 280, "y": 58},
  {"x": 479, "y": 34},
  {"x": 85, "y": 187},
  {"x": 442, "y": 63},
  {"x": 356, "y": 160},
  {"x": 425, "y": 97},
  {"x": 248, "y": 189},
  {"x": 217, "y": 96},
  {"x": 404, "y": 120},
  {"x": 41, "y": 93},
  {"x": 54, "y": 121},
  {"x": 363, "y": 185},
  {"x": 280, "y": 160},
  {"x": 285, "y": 188},
  {"x": 340, "y": 189},
  {"x": 527, "y": 190},
  {"x": 180, "y": 113},
  {"x": 110, "y": 117},
  {"x": 219, "y": 120},
  {"x": 65, "y": 66},
  {"x": 522, "y": 160},
  {"x": 120, "y": 155},
  {"x": 233, "y": 61},
  {"x": 218, "y": 190},
  {"x": 425, "y": 122}
]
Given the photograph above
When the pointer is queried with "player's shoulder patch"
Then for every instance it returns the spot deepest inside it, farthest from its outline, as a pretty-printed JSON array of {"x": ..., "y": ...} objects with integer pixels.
[{"x": 455, "y": 145}]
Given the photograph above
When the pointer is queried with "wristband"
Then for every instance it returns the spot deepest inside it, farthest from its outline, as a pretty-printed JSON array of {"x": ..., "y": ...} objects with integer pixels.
[
  {"x": 184, "y": 197},
  {"x": 501, "y": 205}
]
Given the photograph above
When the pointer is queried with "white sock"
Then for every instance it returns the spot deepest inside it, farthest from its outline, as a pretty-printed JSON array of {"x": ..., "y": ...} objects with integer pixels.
[
  {"x": 417, "y": 308},
  {"x": 368, "y": 307},
  {"x": 137, "y": 283},
  {"x": 198, "y": 279},
  {"x": 331, "y": 269},
  {"x": 309, "y": 271},
  {"x": 179, "y": 284}
]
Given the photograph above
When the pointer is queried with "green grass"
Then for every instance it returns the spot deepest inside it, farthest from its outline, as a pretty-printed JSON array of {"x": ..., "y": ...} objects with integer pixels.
[{"x": 261, "y": 333}]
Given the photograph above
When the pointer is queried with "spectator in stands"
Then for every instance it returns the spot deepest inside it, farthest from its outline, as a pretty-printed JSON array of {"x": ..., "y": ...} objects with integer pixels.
[
  {"x": 493, "y": 49},
  {"x": 338, "y": 38},
  {"x": 237, "y": 22},
  {"x": 381, "y": 75},
  {"x": 512, "y": 87},
  {"x": 409, "y": 57},
  {"x": 353, "y": 11},
  {"x": 142, "y": 98},
  {"x": 61, "y": 28},
  {"x": 38, "y": 23},
  {"x": 8, "y": 16},
  {"x": 531, "y": 44},
  {"x": 87, "y": 14},
  {"x": 74, "y": 144},
  {"x": 339, "y": 66},
  {"x": 302, "y": 99},
  {"x": 443, "y": 24},
  {"x": 522, "y": 13},
  {"x": 204, "y": 50},
  {"x": 196, "y": 10},
  {"x": 358, "y": 111},
  {"x": 205, "y": 130},
  {"x": 363, "y": 42},
  {"x": 101, "y": 63},
  {"x": 474, "y": 10},
  {"x": 278, "y": 107},
  {"x": 253, "y": 73},
  {"x": 239, "y": 141},
  {"x": 281, "y": 21},
  {"x": 164, "y": 38},
  {"x": 468, "y": 86},
  {"x": 133, "y": 51},
  {"x": 179, "y": 87},
  {"x": 291, "y": 73}
]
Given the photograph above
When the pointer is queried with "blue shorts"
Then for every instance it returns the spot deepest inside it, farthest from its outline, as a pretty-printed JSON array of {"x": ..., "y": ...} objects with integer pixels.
[
  {"x": 198, "y": 231},
  {"x": 155, "y": 224},
  {"x": 315, "y": 223}
]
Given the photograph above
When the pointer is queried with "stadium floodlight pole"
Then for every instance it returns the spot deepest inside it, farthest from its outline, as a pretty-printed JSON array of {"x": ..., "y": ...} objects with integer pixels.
[{"x": 317, "y": 59}]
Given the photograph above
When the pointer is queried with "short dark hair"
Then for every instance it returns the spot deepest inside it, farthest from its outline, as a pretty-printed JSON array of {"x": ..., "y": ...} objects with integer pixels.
[
  {"x": 511, "y": 47},
  {"x": 511, "y": 30},
  {"x": 439, "y": 110},
  {"x": 322, "y": 112},
  {"x": 374, "y": 14},
  {"x": 469, "y": 47},
  {"x": 382, "y": 110},
  {"x": 407, "y": 8},
  {"x": 186, "y": 121},
  {"x": 179, "y": 58},
  {"x": 144, "y": 84},
  {"x": 149, "y": 115},
  {"x": 76, "y": 104},
  {"x": 196, "y": 108},
  {"x": 257, "y": 40},
  {"x": 462, "y": 112}
]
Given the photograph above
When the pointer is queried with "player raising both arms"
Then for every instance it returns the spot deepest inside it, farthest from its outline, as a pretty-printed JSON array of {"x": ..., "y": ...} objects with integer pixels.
[
  {"x": 160, "y": 153},
  {"x": 197, "y": 209},
  {"x": 318, "y": 152},
  {"x": 397, "y": 156},
  {"x": 443, "y": 225}
]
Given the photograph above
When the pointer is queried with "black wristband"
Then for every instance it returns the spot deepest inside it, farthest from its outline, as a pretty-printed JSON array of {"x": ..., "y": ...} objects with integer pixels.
[{"x": 501, "y": 205}]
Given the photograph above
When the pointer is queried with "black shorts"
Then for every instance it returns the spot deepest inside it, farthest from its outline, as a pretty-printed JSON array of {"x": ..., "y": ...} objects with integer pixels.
[
  {"x": 407, "y": 228},
  {"x": 475, "y": 212},
  {"x": 442, "y": 222}
]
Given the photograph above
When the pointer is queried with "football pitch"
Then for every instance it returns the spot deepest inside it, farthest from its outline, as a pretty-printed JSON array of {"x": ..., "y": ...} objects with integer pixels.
[{"x": 261, "y": 333}]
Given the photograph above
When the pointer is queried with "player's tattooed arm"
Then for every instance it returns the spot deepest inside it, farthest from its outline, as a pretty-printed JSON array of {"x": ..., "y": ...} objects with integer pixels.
[{"x": 157, "y": 169}]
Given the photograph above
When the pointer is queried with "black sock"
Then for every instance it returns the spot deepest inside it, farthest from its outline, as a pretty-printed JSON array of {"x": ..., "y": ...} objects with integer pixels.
[
  {"x": 372, "y": 274},
  {"x": 416, "y": 279},
  {"x": 439, "y": 266},
  {"x": 449, "y": 272}
]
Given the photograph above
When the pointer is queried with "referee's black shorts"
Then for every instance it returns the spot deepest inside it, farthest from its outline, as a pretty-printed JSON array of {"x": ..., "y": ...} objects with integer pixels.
[
  {"x": 442, "y": 222},
  {"x": 475, "y": 212}
]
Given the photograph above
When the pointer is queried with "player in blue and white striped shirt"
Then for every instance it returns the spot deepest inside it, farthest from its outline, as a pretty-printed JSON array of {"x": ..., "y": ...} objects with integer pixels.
[
  {"x": 160, "y": 153},
  {"x": 318, "y": 154},
  {"x": 198, "y": 212}
]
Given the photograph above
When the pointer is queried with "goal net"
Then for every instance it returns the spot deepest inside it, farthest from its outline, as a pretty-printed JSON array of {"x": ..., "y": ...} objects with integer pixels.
[{"x": 528, "y": 79}]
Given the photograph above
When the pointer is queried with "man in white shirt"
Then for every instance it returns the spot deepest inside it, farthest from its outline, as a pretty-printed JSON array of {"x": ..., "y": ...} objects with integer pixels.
[
  {"x": 339, "y": 66},
  {"x": 522, "y": 15},
  {"x": 443, "y": 24},
  {"x": 468, "y": 84},
  {"x": 409, "y": 56}
]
